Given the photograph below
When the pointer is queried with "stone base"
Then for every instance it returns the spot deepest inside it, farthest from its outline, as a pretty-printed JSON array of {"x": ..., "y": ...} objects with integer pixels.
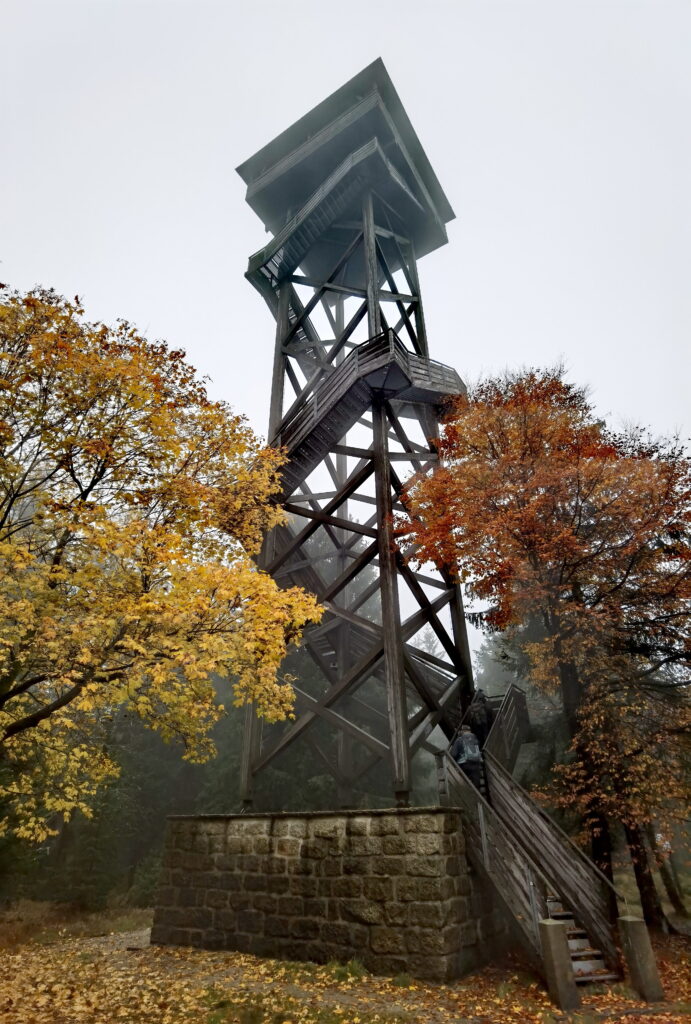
[{"x": 391, "y": 888}]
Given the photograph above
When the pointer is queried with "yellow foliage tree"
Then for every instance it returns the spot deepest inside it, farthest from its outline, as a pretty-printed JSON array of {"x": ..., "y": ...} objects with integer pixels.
[{"x": 131, "y": 507}]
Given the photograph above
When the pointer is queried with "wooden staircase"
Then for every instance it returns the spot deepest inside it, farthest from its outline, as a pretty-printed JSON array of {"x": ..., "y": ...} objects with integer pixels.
[{"x": 532, "y": 865}]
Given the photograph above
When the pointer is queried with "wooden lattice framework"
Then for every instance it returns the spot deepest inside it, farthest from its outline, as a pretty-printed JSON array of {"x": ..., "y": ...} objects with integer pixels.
[{"x": 352, "y": 202}]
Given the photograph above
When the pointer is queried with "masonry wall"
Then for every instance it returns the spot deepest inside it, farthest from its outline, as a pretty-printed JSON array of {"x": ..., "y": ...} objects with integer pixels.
[{"x": 391, "y": 888}]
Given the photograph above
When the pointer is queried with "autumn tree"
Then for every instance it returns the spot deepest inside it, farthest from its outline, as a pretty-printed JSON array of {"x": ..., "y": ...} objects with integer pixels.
[
  {"x": 554, "y": 520},
  {"x": 131, "y": 506}
]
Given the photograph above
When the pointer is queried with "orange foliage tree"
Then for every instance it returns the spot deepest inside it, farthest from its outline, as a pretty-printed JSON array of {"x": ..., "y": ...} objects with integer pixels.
[
  {"x": 131, "y": 507},
  {"x": 554, "y": 520}
]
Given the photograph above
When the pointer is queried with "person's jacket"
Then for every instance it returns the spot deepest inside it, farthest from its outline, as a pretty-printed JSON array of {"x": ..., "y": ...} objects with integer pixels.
[{"x": 466, "y": 747}]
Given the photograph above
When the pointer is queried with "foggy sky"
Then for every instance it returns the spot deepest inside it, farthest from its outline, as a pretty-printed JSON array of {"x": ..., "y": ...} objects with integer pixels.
[{"x": 559, "y": 131}]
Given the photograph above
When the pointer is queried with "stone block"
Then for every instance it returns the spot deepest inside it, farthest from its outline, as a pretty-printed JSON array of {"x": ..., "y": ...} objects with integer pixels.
[
  {"x": 387, "y": 940},
  {"x": 277, "y": 865},
  {"x": 355, "y": 865},
  {"x": 432, "y": 941},
  {"x": 227, "y": 881},
  {"x": 281, "y": 827},
  {"x": 214, "y": 939},
  {"x": 364, "y": 846},
  {"x": 250, "y": 921},
  {"x": 380, "y": 888},
  {"x": 276, "y": 926},
  {"x": 427, "y": 915},
  {"x": 166, "y": 896},
  {"x": 277, "y": 883},
  {"x": 357, "y": 826},
  {"x": 429, "y": 867},
  {"x": 423, "y": 823},
  {"x": 334, "y": 909},
  {"x": 396, "y": 913},
  {"x": 288, "y": 847},
  {"x": 432, "y": 968},
  {"x": 316, "y": 849},
  {"x": 349, "y": 885},
  {"x": 385, "y": 825},
  {"x": 240, "y": 900},
  {"x": 267, "y": 903},
  {"x": 303, "y": 886},
  {"x": 409, "y": 889},
  {"x": 429, "y": 843},
  {"x": 468, "y": 933},
  {"x": 226, "y": 920},
  {"x": 393, "y": 845},
  {"x": 325, "y": 886},
  {"x": 216, "y": 898},
  {"x": 332, "y": 867},
  {"x": 315, "y": 908},
  {"x": 249, "y": 862},
  {"x": 290, "y": 906},
  {"x": 253, "y": 826},
  {"x": 327, "y": 828},
  {"x": 302, "y": 928},
  {"x": 336, "y": 932},
  {"x": 388, "y": 866},
  {"x": 382, "y": 964},
  {"x": 364, "y": 911},
  {"x": 261, "y": 845}
]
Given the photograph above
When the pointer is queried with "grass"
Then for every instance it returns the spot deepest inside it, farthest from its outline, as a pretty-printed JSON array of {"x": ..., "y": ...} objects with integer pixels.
[
  {"x": 349, "y": 971},
  {"x": 33, "y": 921}
]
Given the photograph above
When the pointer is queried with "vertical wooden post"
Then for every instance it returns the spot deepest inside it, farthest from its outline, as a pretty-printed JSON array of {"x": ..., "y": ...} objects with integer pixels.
[
  {"x": 391, "y": 618},
  {"x": 250, "y": 749},
  {"x": 420, "y": 328},
  {"x": 556, "y": 958},
  {"x": 640, "y": 959},
  {"x": 371, "y": 267},
  {"x": 278, "y": 377},
  {"x": 460, "y": 635}
]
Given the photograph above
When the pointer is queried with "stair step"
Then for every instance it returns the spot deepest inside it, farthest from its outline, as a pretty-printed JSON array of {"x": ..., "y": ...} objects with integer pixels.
[
  {"x": 597, "y": 978},
  {"x": 582, "y": 942},
  {"x": 561, "y": 915},
  {"x": 587, "y": 953},
  {"x": 581, "y": 967}
]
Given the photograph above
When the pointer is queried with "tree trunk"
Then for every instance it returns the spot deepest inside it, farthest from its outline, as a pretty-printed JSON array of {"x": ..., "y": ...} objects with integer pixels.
[
  {"x": 601, "y": 852},
  {"x": 653, "y": 913},
  {"x": 667, "y": 874},
  {"x": 570, "y": 694}
]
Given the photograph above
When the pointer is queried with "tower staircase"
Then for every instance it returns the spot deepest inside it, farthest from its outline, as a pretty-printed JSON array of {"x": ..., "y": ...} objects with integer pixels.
[{"x": 530, "y": 863}]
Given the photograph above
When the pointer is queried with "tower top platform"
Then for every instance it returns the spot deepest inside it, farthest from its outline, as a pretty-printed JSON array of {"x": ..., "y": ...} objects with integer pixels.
[{"x": 283, "y": 175}]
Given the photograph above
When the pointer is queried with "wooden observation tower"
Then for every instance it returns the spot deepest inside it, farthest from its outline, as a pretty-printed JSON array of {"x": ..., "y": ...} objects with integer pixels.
[{"x": 352, "y": 203}]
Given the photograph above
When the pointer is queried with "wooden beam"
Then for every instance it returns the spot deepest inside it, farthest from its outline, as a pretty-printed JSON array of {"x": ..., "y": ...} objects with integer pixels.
[
  {"x": 342, "y": 723},
  {"x": 371, "y": 268},
  {"x": 391, "y": 616},
  {"x": 353, "y": 482},
  {"x": 323, "y": 518}
]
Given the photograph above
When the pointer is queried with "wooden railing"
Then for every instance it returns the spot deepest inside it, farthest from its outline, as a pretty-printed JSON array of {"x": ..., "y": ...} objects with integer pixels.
[
  {"x": 491, "y": 848},
  {"x": 510, "y": 728},
  {"x": 572, "y": 874}
]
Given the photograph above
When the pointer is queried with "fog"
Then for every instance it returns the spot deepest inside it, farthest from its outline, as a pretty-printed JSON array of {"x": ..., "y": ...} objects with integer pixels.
[{"x": 558, "y": 130}]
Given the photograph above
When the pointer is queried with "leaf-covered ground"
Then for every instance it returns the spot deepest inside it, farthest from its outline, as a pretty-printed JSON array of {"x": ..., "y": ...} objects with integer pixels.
[{"x": 120, "y": 979}]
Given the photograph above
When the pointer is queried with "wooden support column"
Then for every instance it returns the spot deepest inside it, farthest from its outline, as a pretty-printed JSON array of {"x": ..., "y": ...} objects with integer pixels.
[
  {"x": 391, "y": 619},
  {"x": 250, "y": 749},
  {"x": 280, "y": 359},
  {"x": 556, "y": 959},
  {"x": 419, "y": 314},
  {"x": 640, "y": 959},
  {"x": 371, "y": 267}
]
